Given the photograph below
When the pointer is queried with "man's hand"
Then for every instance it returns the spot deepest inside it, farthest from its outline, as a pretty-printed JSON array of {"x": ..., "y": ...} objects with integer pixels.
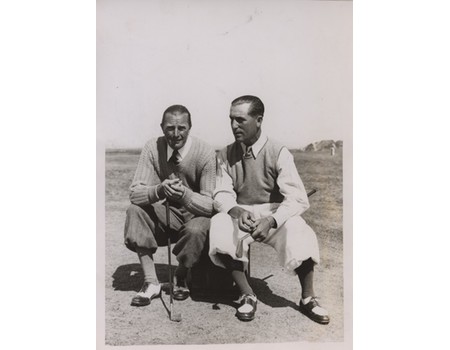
[
  {"x": 262, "y": 227},
  {"x": 173, "y": 189},
  {"x": 246, "y": 219}
]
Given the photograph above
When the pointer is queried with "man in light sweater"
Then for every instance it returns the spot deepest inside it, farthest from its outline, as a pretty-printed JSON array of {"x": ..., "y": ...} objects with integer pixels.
[
  {"x": 259, "y": 194},
  {"x": 180, "y": 169}
]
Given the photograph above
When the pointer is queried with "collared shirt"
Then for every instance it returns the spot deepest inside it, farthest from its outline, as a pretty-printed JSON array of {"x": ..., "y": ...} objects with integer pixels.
[
  {"x": 183, "y": 151},
  {"x": 257, "y": 146},
  {"x": 295, "y": 200}
]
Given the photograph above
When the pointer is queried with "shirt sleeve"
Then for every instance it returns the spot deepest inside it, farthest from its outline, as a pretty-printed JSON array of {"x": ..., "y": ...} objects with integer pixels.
[
  {"x": 291, "y": 187},
  {"x": 145, "y": 181},
  {"x": 224, "y": 194}
]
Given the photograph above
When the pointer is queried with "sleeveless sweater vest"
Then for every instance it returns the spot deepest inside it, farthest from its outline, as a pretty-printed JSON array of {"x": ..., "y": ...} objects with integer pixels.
[{"x": 255, "y": 179}]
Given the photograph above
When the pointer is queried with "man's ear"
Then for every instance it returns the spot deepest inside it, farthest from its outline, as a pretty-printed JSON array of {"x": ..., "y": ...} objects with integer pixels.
[{"x": 259, "y": 119}]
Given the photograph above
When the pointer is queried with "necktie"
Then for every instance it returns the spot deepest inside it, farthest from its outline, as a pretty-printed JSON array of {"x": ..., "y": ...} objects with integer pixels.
[
  {"x": 176, "y": 157},
  {"x": 248, "y": 153}
]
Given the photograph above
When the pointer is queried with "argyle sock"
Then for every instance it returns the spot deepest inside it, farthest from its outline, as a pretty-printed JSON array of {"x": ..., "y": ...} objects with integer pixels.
[
  {"x": 148, "y": 265},
  {"x": 305, "y": 273}
]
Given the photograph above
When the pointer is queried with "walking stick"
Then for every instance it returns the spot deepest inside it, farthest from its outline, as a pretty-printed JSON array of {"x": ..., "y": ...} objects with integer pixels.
[{"x": 176, "y": 317}]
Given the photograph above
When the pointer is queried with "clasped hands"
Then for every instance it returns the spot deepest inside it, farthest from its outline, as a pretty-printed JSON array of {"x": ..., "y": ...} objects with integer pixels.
[
  {"x": 258, "y": 228},
  {"x": 172, "y": 189}
]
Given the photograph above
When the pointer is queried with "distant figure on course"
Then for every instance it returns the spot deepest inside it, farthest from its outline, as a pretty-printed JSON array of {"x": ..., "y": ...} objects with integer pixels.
[
  {"x": 259, "y": 192},
  {"x": 180, "y": 169}
]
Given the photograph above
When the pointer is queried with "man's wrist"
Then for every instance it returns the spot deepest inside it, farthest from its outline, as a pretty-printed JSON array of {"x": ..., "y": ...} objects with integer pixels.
[
  {"x": 183, "y": 192},
  {"x": 160, "y": 192}
]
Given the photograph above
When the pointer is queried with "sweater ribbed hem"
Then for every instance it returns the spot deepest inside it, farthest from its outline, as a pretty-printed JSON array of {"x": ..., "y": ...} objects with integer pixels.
[{"x": 199, "y": 166}]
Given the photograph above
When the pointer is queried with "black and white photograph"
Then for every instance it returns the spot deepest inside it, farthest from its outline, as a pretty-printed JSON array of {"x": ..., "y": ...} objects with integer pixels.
[
  {"x": 224, "y": 174},
  {"x": 224, "y": 136}
]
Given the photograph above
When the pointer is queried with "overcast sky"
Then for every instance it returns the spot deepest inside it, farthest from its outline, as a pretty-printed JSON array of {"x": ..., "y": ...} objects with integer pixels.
[{"x": 295, "y": 55}]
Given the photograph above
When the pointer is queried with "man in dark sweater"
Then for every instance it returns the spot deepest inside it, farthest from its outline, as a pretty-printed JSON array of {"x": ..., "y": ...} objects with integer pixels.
[
  {"x": 180, "y": 169},
  {"x": 260, "y": 196}
]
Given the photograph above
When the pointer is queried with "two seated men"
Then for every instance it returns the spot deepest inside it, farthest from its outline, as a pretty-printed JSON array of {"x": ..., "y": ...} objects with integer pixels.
[{"x": 254, "y": 190}]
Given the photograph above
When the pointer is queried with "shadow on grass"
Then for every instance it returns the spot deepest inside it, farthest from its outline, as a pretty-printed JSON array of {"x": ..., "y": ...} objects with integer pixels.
[
  {"x": 266, "y": 296},
  {"x": 129, "y": 277},
  {"x": 260, "y": 287}
]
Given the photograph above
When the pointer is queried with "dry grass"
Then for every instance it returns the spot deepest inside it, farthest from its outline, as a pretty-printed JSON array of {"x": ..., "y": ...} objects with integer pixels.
[{"x": 213, "y": 321}]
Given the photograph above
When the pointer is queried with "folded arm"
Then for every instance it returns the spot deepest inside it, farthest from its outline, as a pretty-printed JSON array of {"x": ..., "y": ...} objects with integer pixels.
[{"x": 145, "y": 187}]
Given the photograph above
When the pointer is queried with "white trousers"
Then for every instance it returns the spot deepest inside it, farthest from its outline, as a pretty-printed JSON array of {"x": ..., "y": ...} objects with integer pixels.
[{"x": 294, "y": 241}]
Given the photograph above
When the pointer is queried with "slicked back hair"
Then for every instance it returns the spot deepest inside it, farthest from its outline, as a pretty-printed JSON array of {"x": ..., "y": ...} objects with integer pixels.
[
  {"x": 177, "y": 109},
  {"x": 256, "y": 106}
]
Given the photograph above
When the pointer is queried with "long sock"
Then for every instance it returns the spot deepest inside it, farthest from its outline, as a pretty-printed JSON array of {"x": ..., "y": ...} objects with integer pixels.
[
  {"x": 148, "y": 265},
  {"x": 180, "y": 275},
  {"x": 305, "y": 274},
  {"x": 241, "y": 280},
  {"x": 237, "y": 273}
]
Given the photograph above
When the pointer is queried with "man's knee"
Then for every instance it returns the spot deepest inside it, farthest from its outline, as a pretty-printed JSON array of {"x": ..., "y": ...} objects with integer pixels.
[
  {"x": 139, "y": 219},
  {"x": 134, "y": 210},
  {"x": 221, "y": 223},
  {"x": 221, "y": 218},
  {"x": 197, "y": 227},
  {"x": 295, "y": 221}
]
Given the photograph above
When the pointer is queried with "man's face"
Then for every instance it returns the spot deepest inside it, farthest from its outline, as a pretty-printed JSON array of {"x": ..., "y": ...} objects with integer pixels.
[
  {"x": 245, "y": 128},
  {"x": 176, "y": 129}
]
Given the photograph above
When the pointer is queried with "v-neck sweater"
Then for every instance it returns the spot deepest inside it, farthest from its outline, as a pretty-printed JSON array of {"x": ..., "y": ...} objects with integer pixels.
[{"x": 197, "y": 171}]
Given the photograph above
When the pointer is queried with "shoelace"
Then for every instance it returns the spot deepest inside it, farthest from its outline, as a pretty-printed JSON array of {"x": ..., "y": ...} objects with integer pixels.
[
  {"x": 156, "y": 290},
  {"x": 313, "y": 299},
  {"x": 247, "y": 296}
]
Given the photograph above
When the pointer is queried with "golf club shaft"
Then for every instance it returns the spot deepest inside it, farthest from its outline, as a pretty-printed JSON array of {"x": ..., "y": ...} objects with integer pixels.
[
  {"x": 310, "y": 193},
  {"x": 170, "y": 258}
]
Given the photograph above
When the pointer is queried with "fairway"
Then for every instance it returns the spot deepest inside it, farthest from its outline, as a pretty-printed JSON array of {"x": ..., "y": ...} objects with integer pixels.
[{"x": 213, "y": 322}]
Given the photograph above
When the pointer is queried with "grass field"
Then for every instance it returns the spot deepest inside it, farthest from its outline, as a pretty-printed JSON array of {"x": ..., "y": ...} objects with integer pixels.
[{"x": 213, "y": 322}]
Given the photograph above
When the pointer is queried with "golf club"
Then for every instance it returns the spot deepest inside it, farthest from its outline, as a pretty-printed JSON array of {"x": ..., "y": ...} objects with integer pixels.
[
  {"x": 176, "y": 317},
  {"x": 240, "y": 246},
  {"x": 310, "y": 193}
]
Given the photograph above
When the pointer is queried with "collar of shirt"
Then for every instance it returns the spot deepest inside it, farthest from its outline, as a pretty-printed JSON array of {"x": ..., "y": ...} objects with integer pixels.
[
  {"x": 257, "y": 146},
  {"x": 183, "y": 150}
]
